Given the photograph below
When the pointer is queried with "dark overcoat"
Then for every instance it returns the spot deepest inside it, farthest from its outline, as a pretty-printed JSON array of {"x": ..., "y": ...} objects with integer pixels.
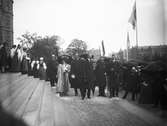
[
  {"x": 74, "y": 81},
  {"x": 85, "y": 73},
  {"x": 15, "y": 62},
  {"x": 52, "y": 67},
  {"x": 3, "y": 56},
  {"x": 100, "y": 74},
  {"x": 132, "y": 81}
]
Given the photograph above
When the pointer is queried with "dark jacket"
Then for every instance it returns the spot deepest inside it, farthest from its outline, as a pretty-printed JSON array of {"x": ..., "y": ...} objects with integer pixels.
[
  {"x": 85, "y": 73},
  {"x": 52, "y": 69},
  {"x": 74, "y": 71},
  {"x": 100, "y": 73}
]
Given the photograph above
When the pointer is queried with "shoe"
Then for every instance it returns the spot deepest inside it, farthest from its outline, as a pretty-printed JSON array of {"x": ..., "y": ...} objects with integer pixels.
[
  {"x": 154, "y": 106},
  {"x": 133, "y": 99},
  {"x": 104, "y": 95},
  {"x": 123, "y": 97}
]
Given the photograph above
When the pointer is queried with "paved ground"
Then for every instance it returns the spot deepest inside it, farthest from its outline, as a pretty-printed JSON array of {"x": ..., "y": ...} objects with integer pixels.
[{"x": 35, "y": 102}]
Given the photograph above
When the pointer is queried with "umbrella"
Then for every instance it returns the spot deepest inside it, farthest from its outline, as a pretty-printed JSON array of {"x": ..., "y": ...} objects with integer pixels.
[
  {"x": 133, "y": 63},
  {"x": 138, "y": 62},
  {"x": 156, "y": 66}
]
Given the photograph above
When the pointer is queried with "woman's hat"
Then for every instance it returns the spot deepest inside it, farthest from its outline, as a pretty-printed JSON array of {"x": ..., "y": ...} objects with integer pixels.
[{"x": 41, "y": 58}]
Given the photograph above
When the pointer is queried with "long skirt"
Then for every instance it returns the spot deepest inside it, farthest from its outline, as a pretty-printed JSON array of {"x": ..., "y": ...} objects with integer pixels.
[
  {"x": 15, "y": 65},
  {"x": 24, "y": 66},
  {"x": 42, "y": 73},
  {"x": 63, "y": 84}
]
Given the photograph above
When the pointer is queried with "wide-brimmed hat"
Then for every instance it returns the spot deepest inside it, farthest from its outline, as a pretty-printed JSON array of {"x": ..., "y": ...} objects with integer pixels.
[
  {"x": 41, "y": 58},
  {"x": 85, "y": 56}
]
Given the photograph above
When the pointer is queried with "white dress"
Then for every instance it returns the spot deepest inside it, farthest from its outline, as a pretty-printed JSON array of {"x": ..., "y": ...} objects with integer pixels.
[{"x": 63, "y": 79}]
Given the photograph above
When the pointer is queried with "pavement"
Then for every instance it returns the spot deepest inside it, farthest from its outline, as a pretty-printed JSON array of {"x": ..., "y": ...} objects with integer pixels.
[{"x": 104, "y": 111}]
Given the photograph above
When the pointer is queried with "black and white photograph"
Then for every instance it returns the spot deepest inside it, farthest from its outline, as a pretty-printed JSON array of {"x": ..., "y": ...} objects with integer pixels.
[{"x": 83, "y": 62}]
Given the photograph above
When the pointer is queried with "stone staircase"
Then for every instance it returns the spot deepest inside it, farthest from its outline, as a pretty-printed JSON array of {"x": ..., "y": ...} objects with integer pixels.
[
  {"x": 36, "y": 103},
  {"x": 27, "y": 98}
]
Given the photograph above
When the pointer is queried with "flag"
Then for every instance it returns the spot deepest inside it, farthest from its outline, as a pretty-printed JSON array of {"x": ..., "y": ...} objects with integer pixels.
[
  {"x": 128, "y": 41},
  {"x": 133, "y": 18},
  {"x": 103, "y": 48}
]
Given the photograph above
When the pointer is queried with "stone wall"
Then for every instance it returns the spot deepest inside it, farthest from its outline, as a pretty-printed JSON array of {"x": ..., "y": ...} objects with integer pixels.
[{"x": 6, "y": 21}]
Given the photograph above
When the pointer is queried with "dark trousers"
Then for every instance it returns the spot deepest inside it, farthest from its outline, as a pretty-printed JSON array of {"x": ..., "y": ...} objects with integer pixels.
[
  {"x": 156, "y": 99},
  {"x": 76, "y": 91},
  {"x": 85, "y": 91},
  {"x": 102, "y": 90},
  {"x": 93, "y": 90},
  {"x": 114, "y": 92},
  {"x": 134, "y": 94},
  {"x": 52, "y": 82}
]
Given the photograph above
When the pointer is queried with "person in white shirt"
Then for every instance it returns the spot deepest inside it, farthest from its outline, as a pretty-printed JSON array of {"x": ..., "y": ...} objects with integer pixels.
[
  {"x": 42, "y": 69},
  {"x": 12, "y": 51},
  {"x": 34, "y": 70}
]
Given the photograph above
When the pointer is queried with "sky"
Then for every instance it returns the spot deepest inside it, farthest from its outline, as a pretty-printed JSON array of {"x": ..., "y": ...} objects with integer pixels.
[{"x": 90, "y": 20}]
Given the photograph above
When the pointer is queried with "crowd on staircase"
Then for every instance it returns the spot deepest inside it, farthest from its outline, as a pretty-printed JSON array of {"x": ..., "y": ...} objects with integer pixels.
[{"x": 146, "y": 83}]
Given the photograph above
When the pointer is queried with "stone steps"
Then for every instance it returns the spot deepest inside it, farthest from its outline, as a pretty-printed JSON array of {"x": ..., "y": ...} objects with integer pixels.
[
  {"x": 35, "y": 102},
  {"x": 27, "y": 98}
]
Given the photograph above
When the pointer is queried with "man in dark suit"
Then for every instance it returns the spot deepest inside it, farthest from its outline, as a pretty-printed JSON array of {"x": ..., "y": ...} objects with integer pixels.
[
  {"x": 52, "y": 70},
  {"x": 84, "y": 75},
  {"x": 100, "y": 73},
  {"x": 74, "y": 78}
]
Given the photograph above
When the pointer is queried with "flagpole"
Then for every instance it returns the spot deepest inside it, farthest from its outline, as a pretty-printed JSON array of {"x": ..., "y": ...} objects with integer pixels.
[
  {"x": 136, "y": 32},
  {"x": 136, "y": 28},
  {"x": 127, "y": 53},
  {"x": 103, "y": 48},
  {"x": 99, "y": 51},
  {"x": 128, "y": 46}
]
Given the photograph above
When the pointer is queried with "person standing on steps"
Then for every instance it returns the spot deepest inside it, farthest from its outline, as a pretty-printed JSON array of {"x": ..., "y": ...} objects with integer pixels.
[
  {"x": 52, "y": 70},
  {"x": 42, "y": 69},
  {"x": 12, "y": 53},
  {"x": 34, "y": 69},
  {"x": 3, "y": 57}
]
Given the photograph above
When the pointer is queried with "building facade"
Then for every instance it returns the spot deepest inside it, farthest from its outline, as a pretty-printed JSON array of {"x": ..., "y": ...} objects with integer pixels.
[
  {"x": 6, "y": 22},
  {"x": 145, "y": 53}
]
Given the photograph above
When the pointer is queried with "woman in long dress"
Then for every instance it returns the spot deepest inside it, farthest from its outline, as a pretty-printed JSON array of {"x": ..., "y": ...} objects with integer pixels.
[
  {"x": 24, "y": 63},
  {"x": 63, "y": 78}
]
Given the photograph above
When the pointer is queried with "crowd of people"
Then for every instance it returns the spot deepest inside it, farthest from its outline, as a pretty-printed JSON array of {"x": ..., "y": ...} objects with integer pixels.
[{"x": 83, "y": 73}]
